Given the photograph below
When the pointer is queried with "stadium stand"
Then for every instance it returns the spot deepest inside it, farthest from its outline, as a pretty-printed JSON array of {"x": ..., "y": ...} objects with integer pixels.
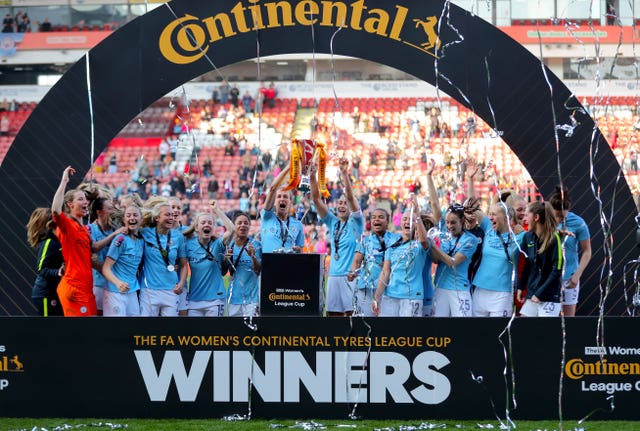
[{"x": 409, "y": 132}]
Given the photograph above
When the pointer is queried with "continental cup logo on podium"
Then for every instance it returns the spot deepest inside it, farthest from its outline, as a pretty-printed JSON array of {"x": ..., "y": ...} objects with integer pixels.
[{"x": 304, "y": 153}]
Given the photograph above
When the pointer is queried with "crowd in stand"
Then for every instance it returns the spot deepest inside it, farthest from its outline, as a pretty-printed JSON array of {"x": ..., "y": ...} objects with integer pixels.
[
  {"x": 385, "y": 167},
  {"x": 20, "y": 24},
  {"x": 403, "y": 154},
  {"x": 404, "y": 148}
]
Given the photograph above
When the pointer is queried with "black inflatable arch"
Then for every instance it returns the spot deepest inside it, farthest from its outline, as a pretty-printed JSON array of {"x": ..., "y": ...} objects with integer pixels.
[{"x": 477, "y": 64}]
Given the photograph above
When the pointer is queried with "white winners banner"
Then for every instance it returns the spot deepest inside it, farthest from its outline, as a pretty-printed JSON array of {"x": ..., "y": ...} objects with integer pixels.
[{"x": 314, "y": 367}]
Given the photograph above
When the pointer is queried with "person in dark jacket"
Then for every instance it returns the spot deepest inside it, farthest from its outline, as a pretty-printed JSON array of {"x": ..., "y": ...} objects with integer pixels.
[
  {"x": 542, "y": 273},
  {"x": 49, "y": 266}
]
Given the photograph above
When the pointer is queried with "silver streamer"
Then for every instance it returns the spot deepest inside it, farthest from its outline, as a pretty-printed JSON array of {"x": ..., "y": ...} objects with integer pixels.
[
  {"x": 611, "y": 408},
  {"x": 92, "y": 140},
  {"x": 560, "y": 181},
  {"x": 353, "y": 414},
  {"x": 311, "y": 425},
  {"x": 337, "y": 106},
  {"x": 569, "y": 128},
  {"x": 509, "y": 423},
  {"x": 446, "y": 13},
  {"x": 259, "y": 72},
  {"x": 65, "y": 427},
  {"x": 633, "y": 307},
  {"x": 236, "y": 418},
  {"x": 422, "y": 426}
]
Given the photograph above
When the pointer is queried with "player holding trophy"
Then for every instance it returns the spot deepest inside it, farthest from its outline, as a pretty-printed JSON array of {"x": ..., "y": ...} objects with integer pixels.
[{"x": 345, "y": 230}]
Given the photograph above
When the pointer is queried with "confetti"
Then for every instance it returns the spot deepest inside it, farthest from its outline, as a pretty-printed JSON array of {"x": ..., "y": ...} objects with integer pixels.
[
  {"x": 311, "y": 425},
  {"x": 236, "y": 418},
  {"x": 64, "y": 427}
]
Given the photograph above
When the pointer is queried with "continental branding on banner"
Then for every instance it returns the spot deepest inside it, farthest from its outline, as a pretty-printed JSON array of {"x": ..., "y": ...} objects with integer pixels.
[
  {"x": 605, "y": 375},
  {"x": 187, "y": 39},
  {"x": 8, "y": 364},
  {"x": 279, "y": 377},
  {"x": 289, "y": 298}
]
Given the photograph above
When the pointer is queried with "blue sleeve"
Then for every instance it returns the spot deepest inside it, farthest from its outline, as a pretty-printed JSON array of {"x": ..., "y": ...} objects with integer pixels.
[
  {"x": 582, "y": 232},
  {"x": 219, "y": 247},
  {"x": 300, "y": 236},
  {"x": 267, "y": 215},
  {"x": 93, "y": 232},
  {"x": 360, "y": 247},
  {"x": 358, "y": 221},
  {"x": 387, "y": 254},
  {"x": 468, "y": 246},
  {"x": 257, "y": 246},
  {"x": 329, "y": 220},
  {"x": 485, "y": 224},
  {"x": 182, "y": 251},
  {"x": 114, "y": 248}
]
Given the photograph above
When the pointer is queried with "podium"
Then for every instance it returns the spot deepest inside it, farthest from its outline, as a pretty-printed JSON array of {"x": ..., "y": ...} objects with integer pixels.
[{"x": 292, "y": 284}]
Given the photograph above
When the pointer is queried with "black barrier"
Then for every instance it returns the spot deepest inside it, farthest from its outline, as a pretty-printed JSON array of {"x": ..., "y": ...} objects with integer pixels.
[
  {"x": 314, "y": 368},
  {"x": 477, "y": 64}
]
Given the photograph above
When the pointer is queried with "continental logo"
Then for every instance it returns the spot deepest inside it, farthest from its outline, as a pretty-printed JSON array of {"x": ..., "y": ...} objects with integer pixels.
[
  {"x": 187, "y": 39},
  {"x": 11, "y": 364},
  {"x": 576, "y": 369},
  {"x": 286, "y": 297}
]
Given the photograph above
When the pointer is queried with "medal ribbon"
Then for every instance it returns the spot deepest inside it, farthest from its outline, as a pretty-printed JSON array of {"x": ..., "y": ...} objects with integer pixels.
[
  {"x": 164, "y": 252},
  {"x": 207, "y": 250},
  {"x": 383, "y": 246},
  {"x": 283, "y": 232},
  {"x": 337, "y": 233},
  {"x": 506, "y": 247},
  {"x": 235, "y": 264},
  {"x": 453, "y": 249}
]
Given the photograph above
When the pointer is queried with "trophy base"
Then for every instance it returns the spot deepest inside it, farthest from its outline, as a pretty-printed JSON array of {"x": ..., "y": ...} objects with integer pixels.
[{"x": 304, "y": 184}]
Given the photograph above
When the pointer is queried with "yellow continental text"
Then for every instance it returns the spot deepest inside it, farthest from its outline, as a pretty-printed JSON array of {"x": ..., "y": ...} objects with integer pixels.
[
  {"x": 285, "y": 341},
  {"x": 188, "y": 38},
  {"x": 577, "y": 368}
]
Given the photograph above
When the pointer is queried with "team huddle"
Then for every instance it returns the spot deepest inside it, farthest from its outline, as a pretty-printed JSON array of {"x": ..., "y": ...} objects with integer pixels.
[{"x": 460, "y": 262}]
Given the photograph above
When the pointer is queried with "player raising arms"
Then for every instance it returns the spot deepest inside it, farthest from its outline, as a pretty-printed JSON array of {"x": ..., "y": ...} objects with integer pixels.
[
  {"x": 345, "y": 230},
  {"x": 76, "y": 287},
  {"x": 278, "y": 230}
]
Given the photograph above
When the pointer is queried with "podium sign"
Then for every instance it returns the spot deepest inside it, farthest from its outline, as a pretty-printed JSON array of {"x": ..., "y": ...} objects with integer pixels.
[{"x": 291, "y": 284}]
